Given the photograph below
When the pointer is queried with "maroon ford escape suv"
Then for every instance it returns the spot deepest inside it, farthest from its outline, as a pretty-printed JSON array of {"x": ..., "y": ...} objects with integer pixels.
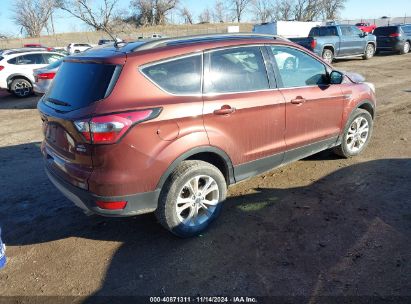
[{"x": 164, "y": 126}]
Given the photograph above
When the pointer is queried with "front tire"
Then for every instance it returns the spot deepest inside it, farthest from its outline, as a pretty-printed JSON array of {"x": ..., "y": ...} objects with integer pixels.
[
  {"x": 369, "y": 52},
  {"x": 357, "y": 134},
  {"x": 21, "y": 87},
  {"x": 191, "y": 198}
]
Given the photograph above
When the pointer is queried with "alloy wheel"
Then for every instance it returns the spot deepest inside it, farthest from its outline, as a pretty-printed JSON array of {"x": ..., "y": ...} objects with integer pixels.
[
  {"x": 197, "y": 200},
  {"x": 22, "y": 89},
  {"x": 357, "y": 134}
]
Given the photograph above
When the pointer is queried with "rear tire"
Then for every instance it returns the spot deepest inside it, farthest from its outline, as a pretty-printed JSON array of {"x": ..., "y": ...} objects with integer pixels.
[
  {"x": 369, "y": 52},
  {"x": 191, "y": 198},
  {"x": 21, "y": 87},
  {"x": 328, "y": 56},
  {"x": 357, "y": 134},
  {"x": 405, "y": 49}
]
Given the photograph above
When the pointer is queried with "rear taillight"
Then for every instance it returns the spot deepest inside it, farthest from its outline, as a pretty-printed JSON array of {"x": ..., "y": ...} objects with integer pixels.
[
  {"x": 111, "y": 205},
  {"x": 1, "y": 67},
  {"x": 109, "y": 129},
  {"x": 45, "y": 75},
  {"x": 395, "y": 35},
  {"x": 313, "y": 44}
]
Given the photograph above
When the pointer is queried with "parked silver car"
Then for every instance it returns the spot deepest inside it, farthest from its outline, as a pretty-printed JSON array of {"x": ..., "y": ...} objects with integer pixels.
[{"x": 44, "y": 77}]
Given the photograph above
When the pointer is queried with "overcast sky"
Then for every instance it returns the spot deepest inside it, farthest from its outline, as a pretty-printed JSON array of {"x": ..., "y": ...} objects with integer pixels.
[{"x": 355, "y": 9}]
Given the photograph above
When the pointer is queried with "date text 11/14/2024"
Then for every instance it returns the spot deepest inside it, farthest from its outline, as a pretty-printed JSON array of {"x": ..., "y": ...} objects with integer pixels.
[{"x": 203, "y": 299}]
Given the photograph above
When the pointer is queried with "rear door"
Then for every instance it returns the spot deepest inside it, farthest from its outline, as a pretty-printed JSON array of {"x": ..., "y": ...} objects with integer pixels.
[
  {"x": 25, "y": 64},
  {"x": 313, "y": 107},
  {"x": 73, "y": 95},
  {"x": 244, "y": 114}
]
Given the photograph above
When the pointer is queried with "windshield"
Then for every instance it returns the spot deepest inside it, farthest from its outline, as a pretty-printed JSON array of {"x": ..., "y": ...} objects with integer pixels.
[{"x": 78, "y": 85}]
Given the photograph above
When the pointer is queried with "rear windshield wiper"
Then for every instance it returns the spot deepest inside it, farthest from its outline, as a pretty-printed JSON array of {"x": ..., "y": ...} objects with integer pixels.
[{"x": 58, "y": 102}]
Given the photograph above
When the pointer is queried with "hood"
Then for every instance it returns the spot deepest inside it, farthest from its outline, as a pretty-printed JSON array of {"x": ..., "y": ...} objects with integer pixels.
[{"x": 354, "y": 77}]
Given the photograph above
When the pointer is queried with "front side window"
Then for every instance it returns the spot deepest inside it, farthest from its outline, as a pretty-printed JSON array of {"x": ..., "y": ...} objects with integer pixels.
[
  {"x": 346, "y": 31},
  {"x": 180, "y": 76},
  {"x": 298, "y": 69},
  {"x": 236, "y": 70},
  {"x": 356, "y": 31}
]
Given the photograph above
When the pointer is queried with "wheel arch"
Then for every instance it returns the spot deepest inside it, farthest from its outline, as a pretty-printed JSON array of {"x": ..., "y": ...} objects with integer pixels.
[
  {"x": 366, "y": 105},
  {"x": 328, "y": 47},
  {"x": 12, "y": 77},
  {"x": 210, "y": 154}
]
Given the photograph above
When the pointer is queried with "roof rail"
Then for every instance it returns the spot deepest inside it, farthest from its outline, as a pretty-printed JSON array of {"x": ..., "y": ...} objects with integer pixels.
[
  {"x": 22, "y": 50},
  {"x": 201, "y": 38}
]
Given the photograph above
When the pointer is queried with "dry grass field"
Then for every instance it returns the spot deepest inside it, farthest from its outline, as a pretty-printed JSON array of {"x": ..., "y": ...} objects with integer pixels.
[{"x": 126, "y": 32}]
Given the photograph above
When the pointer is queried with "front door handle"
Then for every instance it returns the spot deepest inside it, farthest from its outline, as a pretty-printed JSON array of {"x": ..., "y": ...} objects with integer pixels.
[
  {"x": 225, "y": 110},
  {"x": 298, "y": 100}
]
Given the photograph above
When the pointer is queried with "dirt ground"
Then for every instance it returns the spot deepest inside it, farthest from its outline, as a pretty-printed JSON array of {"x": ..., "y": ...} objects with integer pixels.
[{"x": 323, "y": 226}]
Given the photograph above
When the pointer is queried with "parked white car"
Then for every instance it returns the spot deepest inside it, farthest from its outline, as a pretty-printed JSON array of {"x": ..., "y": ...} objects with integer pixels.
[
  {"x": 74, "y": 48},
  {"x": 16, "y": 69}
]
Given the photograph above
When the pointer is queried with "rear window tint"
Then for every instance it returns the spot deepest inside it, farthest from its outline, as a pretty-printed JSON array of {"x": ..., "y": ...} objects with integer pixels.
[
  {"x": 179, "y": 76},
  {"x": 385, "y": 31},
  {"x": 323, "y": 31},
  {"x": 78, "y": 85}
]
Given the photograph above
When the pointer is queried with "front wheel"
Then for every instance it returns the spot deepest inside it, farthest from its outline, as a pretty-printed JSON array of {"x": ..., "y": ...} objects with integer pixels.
[
  {"x": 357, "y": 134},
  {"x": 21, "y": 87},
  {"x": 191, "y": 198},
  {"x": 369, "y": 52}
]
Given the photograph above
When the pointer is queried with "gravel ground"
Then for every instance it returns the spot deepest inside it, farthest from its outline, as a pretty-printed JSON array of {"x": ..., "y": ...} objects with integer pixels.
[{"x": 323, "y": 226}]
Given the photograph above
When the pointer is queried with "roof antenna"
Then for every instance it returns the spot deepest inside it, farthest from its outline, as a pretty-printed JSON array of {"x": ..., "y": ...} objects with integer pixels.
[{"x": 112, "y": 37}]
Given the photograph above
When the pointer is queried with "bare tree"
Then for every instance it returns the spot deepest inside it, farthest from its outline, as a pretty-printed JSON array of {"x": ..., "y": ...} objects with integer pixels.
[
  {"x": 239, "y": 6},
  {"x": 98, "y": 18},
  {"x": 284, "y": 9},
  {"x": 152, "y": 12},
  {"x": 307, "y": 10},
  {"x": 332, "y": 8},
  {"x": 186, "y": 15},
  {"x": 263, "y": 10},
  {"x": 32, "y": 15},
  {"x": 205, "y": 16},
  {"x": 220, "y": 12},
  {"x": 162, "y": 8}
]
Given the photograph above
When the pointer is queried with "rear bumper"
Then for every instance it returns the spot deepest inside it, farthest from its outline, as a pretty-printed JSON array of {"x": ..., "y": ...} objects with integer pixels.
[
  {"x": 136, "y": 204},
  {"x": 394, "y": 47},
  {"x": 40, "y": 88}
]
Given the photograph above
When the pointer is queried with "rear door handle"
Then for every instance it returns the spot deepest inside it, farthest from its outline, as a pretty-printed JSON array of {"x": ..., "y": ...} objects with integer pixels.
[
  {"x": 298, "y": 100},
  {"x": 225, "y": 110}
]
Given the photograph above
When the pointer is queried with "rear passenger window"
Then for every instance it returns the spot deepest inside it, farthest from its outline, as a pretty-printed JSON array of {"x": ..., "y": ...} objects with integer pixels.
[
  {"x": 236, "y": 70},
  {"x": 179, "y": 76}
]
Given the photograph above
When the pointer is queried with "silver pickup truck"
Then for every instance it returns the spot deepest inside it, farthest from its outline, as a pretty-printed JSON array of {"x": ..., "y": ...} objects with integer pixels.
[{"x": 339, "y": 41}]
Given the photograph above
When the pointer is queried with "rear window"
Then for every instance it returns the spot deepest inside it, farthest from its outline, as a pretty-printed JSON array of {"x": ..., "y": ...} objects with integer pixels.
[
  {"x": 323, "y": 31},
  {"x": 385, "y": 31},
  {"x": 78, "y": 85},
  {"x": 179, "y": 76}
]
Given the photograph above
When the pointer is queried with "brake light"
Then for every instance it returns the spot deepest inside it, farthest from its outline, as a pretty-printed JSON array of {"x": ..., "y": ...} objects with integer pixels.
[
  {"x": 45, "y": 75},
  {"x": 109, "y": 129},
  {"x": 1, "y": 67},
  {"x": 395, "y": 35},
  {"x": 111, "y": 205},
  {"x": 313, "y": 44}
]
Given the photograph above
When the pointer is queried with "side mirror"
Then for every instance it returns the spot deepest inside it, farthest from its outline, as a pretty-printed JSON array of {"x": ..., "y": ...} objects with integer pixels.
[{"x": 336, "y": 77}]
